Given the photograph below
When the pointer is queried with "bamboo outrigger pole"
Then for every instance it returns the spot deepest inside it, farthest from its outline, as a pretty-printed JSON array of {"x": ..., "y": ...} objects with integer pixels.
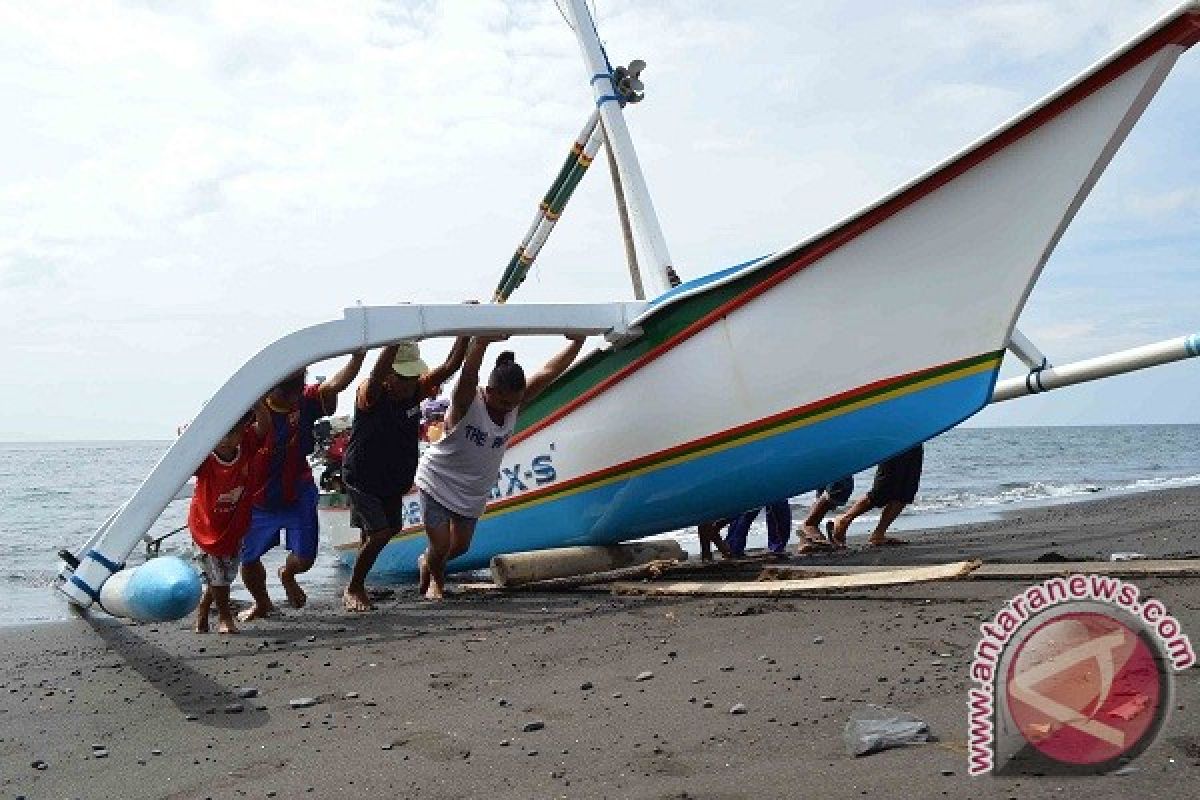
[
  {"x": 583, "y": 152},
  {"x": 608, "y": 101},
  {"x": 1113, "y": 364}
]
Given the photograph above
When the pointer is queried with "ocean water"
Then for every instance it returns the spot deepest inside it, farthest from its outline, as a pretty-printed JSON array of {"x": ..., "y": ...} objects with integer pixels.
[{"x": 54, "y": 495}]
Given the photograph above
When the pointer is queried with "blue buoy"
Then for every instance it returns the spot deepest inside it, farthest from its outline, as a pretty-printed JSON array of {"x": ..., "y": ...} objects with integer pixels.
[{"x": 162, "y": 589}]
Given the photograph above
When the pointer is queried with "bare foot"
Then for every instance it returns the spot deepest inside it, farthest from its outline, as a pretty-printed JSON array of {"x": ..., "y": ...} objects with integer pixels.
[
  {"x": 356, "y": 600},
  {"x": 423, "y": 571},
  {"x": 201, "y": 625},
  {"x": 295, "y": 595},
  {"x": 811, "y": 533},
  {"x": 225, "y": 625},
  {"x": 836, "y": 531},
  {"x": 434, "y": 594},
  {"x": 256, "y": 612}
]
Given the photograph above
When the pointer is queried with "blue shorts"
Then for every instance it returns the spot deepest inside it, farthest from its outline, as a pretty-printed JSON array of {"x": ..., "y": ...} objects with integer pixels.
[{"x": 297, "y": 521}]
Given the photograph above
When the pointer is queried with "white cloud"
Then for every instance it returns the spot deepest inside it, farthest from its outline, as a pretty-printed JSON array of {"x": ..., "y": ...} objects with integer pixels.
[{"x": 185, "y": 182}]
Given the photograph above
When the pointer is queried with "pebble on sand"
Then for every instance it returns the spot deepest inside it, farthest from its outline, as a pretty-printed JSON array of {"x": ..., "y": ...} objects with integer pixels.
[
  {"x": 536, "y": 725},
  {"x": 246, "y": 692},
  {"x": 586, "y": 685},
  {"x": 302, "y": 702},
  {"x": 738, "y": 708},
  {"x": 644, "y": 676}
]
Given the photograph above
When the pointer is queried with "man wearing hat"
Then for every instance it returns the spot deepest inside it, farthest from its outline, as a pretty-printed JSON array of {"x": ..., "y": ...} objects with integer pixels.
[{"x": 381, "y": 458}]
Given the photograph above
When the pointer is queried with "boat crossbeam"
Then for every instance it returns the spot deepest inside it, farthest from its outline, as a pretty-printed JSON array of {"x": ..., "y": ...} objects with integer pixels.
[{"x": 361, "y": 328}]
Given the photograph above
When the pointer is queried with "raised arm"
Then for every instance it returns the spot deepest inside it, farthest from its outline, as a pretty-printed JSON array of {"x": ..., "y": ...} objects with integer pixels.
[
  {"x": 468, "y": 380},
  {"x": 369, "y": 389},
  {"x": 554, "y": 367},
  {"x": 440, "y": 374},
  {"x": 262, "y": 421},
  {"x": 331, "y": 387}
]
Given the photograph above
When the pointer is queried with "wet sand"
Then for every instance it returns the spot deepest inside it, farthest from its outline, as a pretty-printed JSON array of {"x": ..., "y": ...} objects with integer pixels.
[{"x": 423, "y": 701}]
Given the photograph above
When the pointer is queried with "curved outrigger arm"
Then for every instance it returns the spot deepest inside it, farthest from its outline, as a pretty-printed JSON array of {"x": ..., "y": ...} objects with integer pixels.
[
  {"x": 1043, "y": 379},
  {"x": 84, "y": 573}
]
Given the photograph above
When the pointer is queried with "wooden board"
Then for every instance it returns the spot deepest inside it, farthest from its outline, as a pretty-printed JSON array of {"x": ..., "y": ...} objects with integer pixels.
[
  {"x": 1143, "y": 568},
  {"x": 785, "y": 588}
]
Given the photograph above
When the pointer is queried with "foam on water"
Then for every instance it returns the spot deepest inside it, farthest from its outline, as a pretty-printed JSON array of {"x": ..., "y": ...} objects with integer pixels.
[{"x": 54, "y": 495}]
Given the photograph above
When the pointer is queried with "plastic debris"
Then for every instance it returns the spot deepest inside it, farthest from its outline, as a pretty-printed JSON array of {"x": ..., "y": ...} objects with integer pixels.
[{"x": 872, "y": 728}]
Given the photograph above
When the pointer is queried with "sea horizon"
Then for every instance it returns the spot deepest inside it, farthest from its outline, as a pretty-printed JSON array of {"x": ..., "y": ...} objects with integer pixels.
[{"x": 152, "y": 440}]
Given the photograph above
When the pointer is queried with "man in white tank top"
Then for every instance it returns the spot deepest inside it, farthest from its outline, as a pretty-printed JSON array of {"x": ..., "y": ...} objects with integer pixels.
[{"x": 456, "y": 474}]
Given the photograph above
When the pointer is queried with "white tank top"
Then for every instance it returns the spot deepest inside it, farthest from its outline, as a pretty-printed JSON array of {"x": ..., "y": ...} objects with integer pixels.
[{"x": 460, "y": 470}]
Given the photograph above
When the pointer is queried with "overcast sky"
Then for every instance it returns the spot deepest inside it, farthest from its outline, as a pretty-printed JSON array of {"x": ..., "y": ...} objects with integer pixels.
[{"x": 184, "y": 182}]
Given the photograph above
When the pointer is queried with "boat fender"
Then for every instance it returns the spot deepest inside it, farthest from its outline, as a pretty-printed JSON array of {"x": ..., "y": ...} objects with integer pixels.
[{"x": 161, "y": 590}]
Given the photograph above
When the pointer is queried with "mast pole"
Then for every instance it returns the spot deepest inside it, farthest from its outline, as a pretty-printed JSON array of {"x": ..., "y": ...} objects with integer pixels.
[
  {"x": 641, "y": 207},
  {"x": 635, "y": 274}
]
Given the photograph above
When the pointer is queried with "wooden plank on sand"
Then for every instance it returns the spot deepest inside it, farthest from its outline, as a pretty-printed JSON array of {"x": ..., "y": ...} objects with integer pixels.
[
  {"x": 1141, "y": 568},
  {"x": 786, "y": 588}
]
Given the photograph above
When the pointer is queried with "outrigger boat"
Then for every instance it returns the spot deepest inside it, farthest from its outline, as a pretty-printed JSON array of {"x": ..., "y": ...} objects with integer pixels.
[{"x": 928, "y": 283}]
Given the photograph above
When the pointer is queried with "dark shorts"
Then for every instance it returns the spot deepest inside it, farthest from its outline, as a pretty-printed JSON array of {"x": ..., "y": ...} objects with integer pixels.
[
  {"x": 436, "y": 515},
  {"x": 297, "y": 522},
  {"x": 838, "y": 492},
  {"x": 371, "y": 512},
  {"x": 898, "y": 478}
]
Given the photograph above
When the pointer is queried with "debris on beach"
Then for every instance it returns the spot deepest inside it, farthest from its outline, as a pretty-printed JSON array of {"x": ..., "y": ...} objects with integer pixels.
[
  {"x": 873, "y": 728},
  {"x": 302, "y": 702}
]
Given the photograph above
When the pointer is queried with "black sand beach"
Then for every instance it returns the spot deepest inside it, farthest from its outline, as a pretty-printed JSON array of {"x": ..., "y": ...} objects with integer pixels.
[{"x": 422, "y": 701}]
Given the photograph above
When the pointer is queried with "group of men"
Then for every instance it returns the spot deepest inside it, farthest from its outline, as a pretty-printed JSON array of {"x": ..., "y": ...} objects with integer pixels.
[{"x": 895, "y": 486}]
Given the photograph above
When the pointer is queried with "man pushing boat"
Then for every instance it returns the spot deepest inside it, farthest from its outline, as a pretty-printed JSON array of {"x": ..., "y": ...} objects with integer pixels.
[
  {"x": 285, "y": 499},
  {"x": 457, "y": 473},
  {"x": 381, "y": 459}
]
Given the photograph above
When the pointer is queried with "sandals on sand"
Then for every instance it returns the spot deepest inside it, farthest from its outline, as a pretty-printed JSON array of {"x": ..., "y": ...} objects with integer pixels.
[{"x": 833, "y": 542}]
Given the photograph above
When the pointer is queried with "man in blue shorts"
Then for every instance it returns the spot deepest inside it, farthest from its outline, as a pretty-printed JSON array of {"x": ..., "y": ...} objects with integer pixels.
[{"x": 285, "y": 497}]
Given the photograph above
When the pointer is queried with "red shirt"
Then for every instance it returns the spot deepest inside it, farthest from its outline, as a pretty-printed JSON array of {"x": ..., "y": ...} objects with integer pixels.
[{"x": 219, "y": 515}]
